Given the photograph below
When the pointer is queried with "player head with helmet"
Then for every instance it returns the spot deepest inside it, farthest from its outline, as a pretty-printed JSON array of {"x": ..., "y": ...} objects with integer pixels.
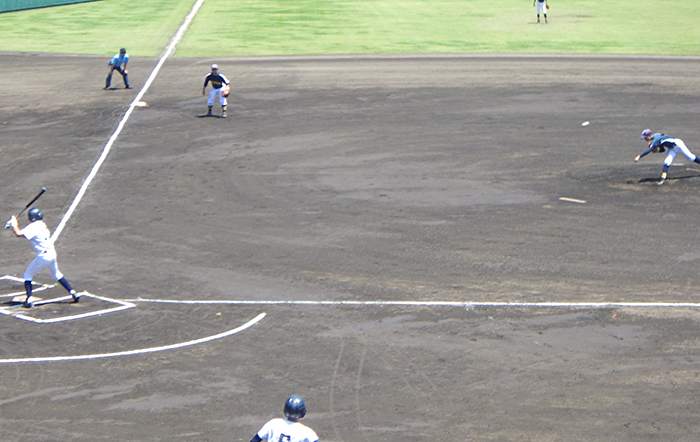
[
  {"x": 35, "y": 214},
  {"x": 294, "y": 408}
]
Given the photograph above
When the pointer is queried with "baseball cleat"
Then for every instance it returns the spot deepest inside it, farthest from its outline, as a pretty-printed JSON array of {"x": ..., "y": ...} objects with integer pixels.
[
  {"x": 223, "y": 114},
  {"x": 661, "y": 181},
  {"x": 28, "y": 304},
  {"x": 76, "y": 297}
]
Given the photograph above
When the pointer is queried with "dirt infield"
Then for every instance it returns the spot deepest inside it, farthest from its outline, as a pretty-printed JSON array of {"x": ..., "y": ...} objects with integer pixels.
[{"x": 424, "y": 178}]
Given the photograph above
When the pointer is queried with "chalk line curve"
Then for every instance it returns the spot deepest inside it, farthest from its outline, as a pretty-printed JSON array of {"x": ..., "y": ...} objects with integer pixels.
[{"x": 141, "y": 351}]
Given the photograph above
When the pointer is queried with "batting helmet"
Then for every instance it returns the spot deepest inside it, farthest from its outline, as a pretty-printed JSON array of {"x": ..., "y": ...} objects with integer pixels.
[
  {"x": 294, "y": 408},
  {"x": 35, "y": 214}
]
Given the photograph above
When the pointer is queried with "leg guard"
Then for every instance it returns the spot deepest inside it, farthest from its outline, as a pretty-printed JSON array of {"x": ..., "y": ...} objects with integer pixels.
[{"x": 66, "y": 285}]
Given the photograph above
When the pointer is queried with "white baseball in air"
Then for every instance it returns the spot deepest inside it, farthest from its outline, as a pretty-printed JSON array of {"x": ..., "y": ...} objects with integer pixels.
[{"x": 585, "y": 123}]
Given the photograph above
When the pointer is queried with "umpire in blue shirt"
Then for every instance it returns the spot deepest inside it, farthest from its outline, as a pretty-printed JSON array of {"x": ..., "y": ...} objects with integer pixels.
[{"x": 115, "y": 64}]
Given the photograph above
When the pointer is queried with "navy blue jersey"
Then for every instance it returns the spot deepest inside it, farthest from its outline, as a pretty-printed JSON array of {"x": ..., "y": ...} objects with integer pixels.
[
  {"x": 216, "y": 81},
  {"x": 660, "y": 142}
]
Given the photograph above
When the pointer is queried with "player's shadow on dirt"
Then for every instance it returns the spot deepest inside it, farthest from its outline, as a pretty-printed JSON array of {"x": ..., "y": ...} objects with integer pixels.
[
  {"x": 209, "y": 116},
  {"x": 677, "y": 178}
]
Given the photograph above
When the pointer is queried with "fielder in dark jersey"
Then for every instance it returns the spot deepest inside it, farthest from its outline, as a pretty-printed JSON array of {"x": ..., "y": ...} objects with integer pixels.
[
  {"x": 665, "y": 143},
  {"x": 219, "y": 83}
]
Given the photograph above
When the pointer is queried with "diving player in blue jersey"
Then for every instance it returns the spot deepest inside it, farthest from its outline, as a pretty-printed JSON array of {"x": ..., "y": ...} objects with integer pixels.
[
  {"x": 665, "y": 143},
  {"x": 115, "y": 64}
]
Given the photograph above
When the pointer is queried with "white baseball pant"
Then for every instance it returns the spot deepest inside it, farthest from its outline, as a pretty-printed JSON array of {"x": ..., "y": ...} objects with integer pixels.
[
  {"x": 42, "y": 261},
  {"x": 679, "y": 147},
  {"x": 212, "y": 95}
]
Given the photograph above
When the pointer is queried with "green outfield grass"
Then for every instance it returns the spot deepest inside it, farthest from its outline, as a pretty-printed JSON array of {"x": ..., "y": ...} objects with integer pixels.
[{"x": 270, "y": 27}]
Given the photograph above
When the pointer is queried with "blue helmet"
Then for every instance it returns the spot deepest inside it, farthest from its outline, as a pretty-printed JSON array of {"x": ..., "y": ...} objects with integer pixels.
[
  {"x": 35, "y": 214},
  {"x": 294, "y": 408}
]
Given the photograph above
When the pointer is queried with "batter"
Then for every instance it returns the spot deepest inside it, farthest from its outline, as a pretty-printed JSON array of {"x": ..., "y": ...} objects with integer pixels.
[{"x": 39, "y": 237}]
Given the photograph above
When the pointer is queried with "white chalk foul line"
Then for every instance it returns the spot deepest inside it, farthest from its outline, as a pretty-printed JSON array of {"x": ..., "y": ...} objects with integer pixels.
[
  {"x": 138, "y": 352},
  {"x": 171, "y": 47},
  {"x": 464, "y": 304}
]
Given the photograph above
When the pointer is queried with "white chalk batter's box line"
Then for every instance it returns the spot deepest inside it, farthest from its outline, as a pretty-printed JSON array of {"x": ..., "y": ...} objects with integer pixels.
[
  {"x": 19, "y": 312},
  {"x": 40, "y": 288}
]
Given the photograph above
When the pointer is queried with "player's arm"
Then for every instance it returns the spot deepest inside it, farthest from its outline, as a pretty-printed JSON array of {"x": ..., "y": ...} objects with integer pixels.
[
  {"x": 15, "y": 227},
  {"x": 206, "y": 82},
  {"x": 646, "y": 152},
  {"x": 256, "y": 438}
]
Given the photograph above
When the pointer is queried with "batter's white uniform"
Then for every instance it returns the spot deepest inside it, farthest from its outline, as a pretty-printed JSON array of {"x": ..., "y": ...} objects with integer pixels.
[
  {"x": 283, "y": 430},
  {"x": 39, "y": 237}
]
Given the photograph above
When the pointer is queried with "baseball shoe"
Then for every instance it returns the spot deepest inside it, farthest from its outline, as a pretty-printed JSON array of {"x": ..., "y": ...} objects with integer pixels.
[
  {"x": 661, "y": 181},
  {"x": 209, "y": 114},
  {"x": 28, "y": 304},
  {"x": 127, "y": 87},
  {"x": 76, "y": 297},
  {"x": 223, "y": 114},
  {"x": 105, "y": 88}
]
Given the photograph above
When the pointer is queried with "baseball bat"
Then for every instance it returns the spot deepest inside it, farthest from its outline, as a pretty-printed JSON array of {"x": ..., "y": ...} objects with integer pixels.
[{"x": 36, "y": 197}]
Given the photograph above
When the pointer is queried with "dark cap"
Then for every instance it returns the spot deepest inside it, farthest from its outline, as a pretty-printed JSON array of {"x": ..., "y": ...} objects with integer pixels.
[
  {"x": 122, "y": 50},
  {"x": 645, "y": 134}
]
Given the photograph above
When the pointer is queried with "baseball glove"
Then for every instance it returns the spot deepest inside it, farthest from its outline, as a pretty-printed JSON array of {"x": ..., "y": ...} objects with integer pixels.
[{"x": 225, "y": 91}]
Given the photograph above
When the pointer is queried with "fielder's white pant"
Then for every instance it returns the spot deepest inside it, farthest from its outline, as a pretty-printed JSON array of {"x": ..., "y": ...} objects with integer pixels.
[
  {"x": 678, "y": 148},
  {"x": 42, "y": 261},
  {"x": 212, "y": 95},
  {"x": 541, "y": 8}
]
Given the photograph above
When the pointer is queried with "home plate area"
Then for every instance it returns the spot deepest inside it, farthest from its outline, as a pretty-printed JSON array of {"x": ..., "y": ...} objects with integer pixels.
[{"x": 52, "y": 303}]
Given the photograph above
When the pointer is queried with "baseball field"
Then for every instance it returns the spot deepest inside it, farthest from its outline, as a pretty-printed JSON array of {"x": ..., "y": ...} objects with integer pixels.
[
  {"x": 275, "y": 27},
  {"x": 422, "y": 217}
]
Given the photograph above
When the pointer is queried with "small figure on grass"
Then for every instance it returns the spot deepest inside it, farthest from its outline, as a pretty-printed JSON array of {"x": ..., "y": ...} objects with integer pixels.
[{"x": 542, "y": 8}]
